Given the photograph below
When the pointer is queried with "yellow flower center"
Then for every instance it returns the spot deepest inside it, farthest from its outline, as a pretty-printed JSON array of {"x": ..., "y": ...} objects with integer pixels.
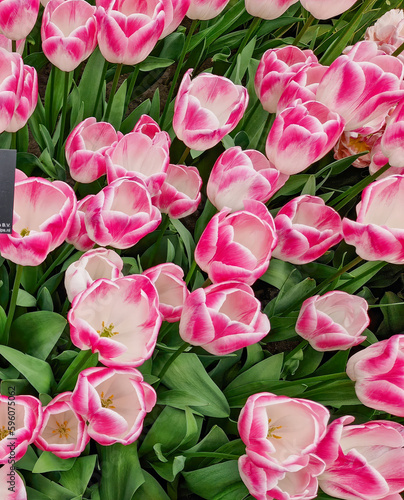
[
  {"x": 62, "y": 429},
  {"x": 107, "y": 330},
  {"x": 358, "y": 144},
  {"x": 25, "y": 232},
  {"x": 271, "y": 430},
  {"x": 3, "y": 432},
  {"x": 107, "y": 402}
]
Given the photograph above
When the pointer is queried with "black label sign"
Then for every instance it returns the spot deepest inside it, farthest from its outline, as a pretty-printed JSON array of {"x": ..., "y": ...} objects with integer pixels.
[{"x": 8, "y": 159}]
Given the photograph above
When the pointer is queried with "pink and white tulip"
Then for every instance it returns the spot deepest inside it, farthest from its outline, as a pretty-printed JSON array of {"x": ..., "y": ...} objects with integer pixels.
[
  {"x": 223, "y": 318},
  {"x": 388, "y": 31},
  {"x": 333, "y": 321},
  {"x": 20, "y": 421},
  {"x": 114, "y": 402},
  {"x": 206, "y": 109},
  {"x": 180, "y": 193},
  {"x": 364, "y": 462},
  {"x": 301, "y": 135},
  {"x": 378, "y": 232},
  {"x": 378, "y": 372},
  {"x": 175, "y": 11},
  {"x": 276, "y": 69},
  {"x": 63, "y": 430},
  {"x": 77, "y": 234},
  {"x": 128, "y": 31},
  {"x": 268, "y": 9},
  {"x": 205, "y": 9},
  {"x": 18, "y": 17},
  {"x": 121, "y": 214},
  {"x": 43, "y": 214},
  {"x": 171, "y": 288},
  {"x": 306, "y": 228},
  {"x": 11, "y": 85},
  {"x": 6, "y": 43},
  {"x": 237, "y": 246},
  {"x": 242, "y": 175},
  {"x": 69, "y": 32},
  {"x": 326, "y": 9},
  {"x": 28, "y": 100},
  {"x": 393, "y": 137},
  {"x": 85, "y": 149},
  {"x": 119, "y": 319},
  {"x": 142, "y": 154},
  {"x": 12, "y": 487},
  {"x": 351, "y": 143},
  {"x": 91, "y": 266}
]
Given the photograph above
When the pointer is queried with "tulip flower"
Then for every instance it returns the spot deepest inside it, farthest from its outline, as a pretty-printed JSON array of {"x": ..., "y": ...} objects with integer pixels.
[
  {"x": 306, "y": 228},
  {"x": 393, "y": 137},
  {"x": 63, "y": 431},
  {"x": 223, "y": 318},
  {"x": 11, "y": 85},
  {"x": 102, "y": 396},
  {"x": 180, "y": 193},
  {"x": 17, "y": 433},
  {"x": 378, "y": 232},
  {"x": 77, "y": 234},
  {"x": 119, "y": 319},
  {"x": 242, "y": 175},
  {"x": 205, "y": 9},
  {"x": 388, "y": 31},
  {"x": 121, "y": 214},
  {"x": 85, "y": 149},
  {"x": 174, "y": 13},
  {"x": 364, "y": 461},
  {"x": 326, "y": 9},
  {"x": 171, "y": 289},
  {"x": 143, "y": 154},
  {"x": 43, "y": 214},
  {"x": 268, "y": 9},
  {"x": 237, "y": 246},
  {"x": 128, "y": 31},
  {"x": 333, "y": 321},
  {"x": 378, "y": 372},
  {"x": 69, "y": 32},
  {"x": 28, "y": 100},
  {"x": 351, "y": 143},
  {"x": 6, "y": 43},
  {"x": 374, "y": 84},
  {"x": 18, "y": 17},
  {"x": 8, "y": 490},
  {"x": 91, "y": 266},
  {"x": 276, "y": 69},
  {"x": 206, "y": 109}
]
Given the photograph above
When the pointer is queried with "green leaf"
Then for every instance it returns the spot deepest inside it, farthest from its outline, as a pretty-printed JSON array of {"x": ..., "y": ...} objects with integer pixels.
[
  {"x": 91, "y": 79},
  {"x": 286, "y": 301},
  {"x": 186, "y": 237},
  {"x": 129, "y": 122},
  {"x": 49, "y": 488},
  {"x": 208, "y": 212},
  {"x": 77, "y": 477},
  {"x": 155, "y": 105},
  {"x": 310, "y": 186},
  {"x": 155, "y": 63},
  {"x": 171, "y": 469},
  {"x": 150, "y": 489},
  {"x": 37, "y": 372},
  {"x": 121, "y": 474},
  {"x": 45, "y": 300},
  {"x": 279, "y": 272},
  {"x": 28, "y": 461},
  {"x": 337, "y": 394},
  {"x": 179, "y": 399},
  {"x": 36, "y": 333},
  {"x": 36, "y": 495},
  {"x": 49, "y": 462},
  {"x": 361, "y": 275},
  {"x": 393, "y": 317},
  {"x": 69, "y": 378},
  {"x": 339, "y": 166},
  {"x": 116, "y": 115},
  {"x": 25, "y": 299}
]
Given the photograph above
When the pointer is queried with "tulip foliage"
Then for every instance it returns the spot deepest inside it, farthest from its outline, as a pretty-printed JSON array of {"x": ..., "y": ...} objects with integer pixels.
[{"x": 201, "y": 293}]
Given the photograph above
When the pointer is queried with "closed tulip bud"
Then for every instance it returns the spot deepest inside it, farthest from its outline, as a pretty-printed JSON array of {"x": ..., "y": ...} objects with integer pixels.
[
  {"x": 237, "y": 246},
  {"x": 301, "y": 135},
  {"x": 172, "y": 290},
  {"x": 180, "y": 193},
  {"x": 333, "y": 321},
  {"x": 18, "y": 491},
  {"x": 326, "y": 9},
  {"x": 378, "y": 372},
  {"x": 92, "y": 265},
  {"x": 121, "y": 214},
  {"x": 242, "y": 175},
  {"x": 223, "y": 318},
  {"x": 268, "y": 9},
  {"x": 11, "y": 85},
  {"x": 206, "y": 109},
  {"x": 28, "y": 100},
  {"x": 119, "y": 319},
  {"x": 377, "y": 475},
  {"x": 127, "y": 30},
  {"x": 43, "y": 214},
  {"x": 77, "y": 235},
  {"x": 306, "y": 228},
  {"x": 69, "y": 32},
  {"x": 63, "y": 431},
  {"x": 102, "y": 397},
  {"x": 27, "y": 412},
  {"x": 276, "y": 69},
  {"x": 378, "y": 232},
  {"x": 205, "y": 9},
  {"x": 18, "y": 17}
]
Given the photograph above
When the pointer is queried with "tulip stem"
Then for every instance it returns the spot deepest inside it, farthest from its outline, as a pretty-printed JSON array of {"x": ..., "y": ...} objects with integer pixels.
[
  {"x": 171, "y": 360},
  {"x": 306, "y": 26},
  {"x": 248, "y": 36},
  {"x": 372, "y": 306},
  {"x": 322, "y": 378},
  {"x": 184, "y": 156},
  {"x": 64, "y": 254},
  {"x": 301, "y": 346},
  {"x": 60, "y": 155},
  {"x": 113, "y": 90},
  {"x": 13, "y": 301},
  {"x": 398, "y": 51},
  {"x": 13, "y": 45},
  {"x": 178, "y": 70},
  {"x": 165, "y": 221},
  {"x": 132, "y": 83},
  {"x": 100, "y": 87},
  {"x": 265, "y": 132},
  {"x": 190, "y": 272}
]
